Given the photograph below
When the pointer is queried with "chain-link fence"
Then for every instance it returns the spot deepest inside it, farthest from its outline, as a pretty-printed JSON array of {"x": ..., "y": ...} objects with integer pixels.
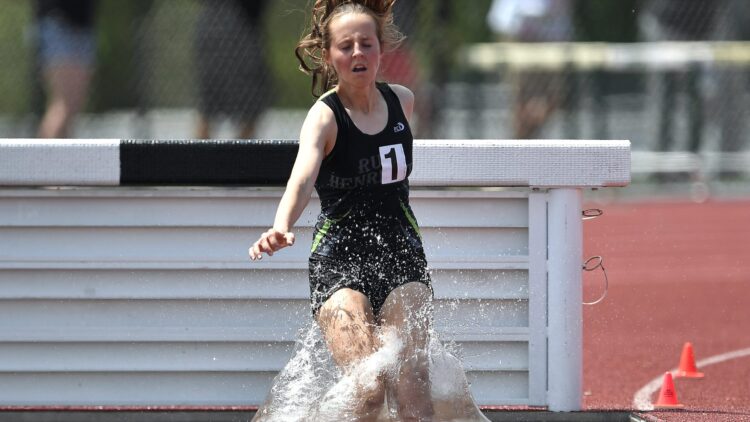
[
  {"x": 187, "y": 68},
  {"x": 670, "y": 75}
]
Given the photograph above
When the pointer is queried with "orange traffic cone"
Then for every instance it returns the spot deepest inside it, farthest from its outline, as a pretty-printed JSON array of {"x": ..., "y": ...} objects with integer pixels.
[
  {"x": 667, "y": 396},
  {"x": 687, "y": 367}
]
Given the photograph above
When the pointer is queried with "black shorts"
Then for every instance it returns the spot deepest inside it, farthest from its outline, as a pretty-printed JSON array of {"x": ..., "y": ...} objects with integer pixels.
[{"x": 375, "y": 275}]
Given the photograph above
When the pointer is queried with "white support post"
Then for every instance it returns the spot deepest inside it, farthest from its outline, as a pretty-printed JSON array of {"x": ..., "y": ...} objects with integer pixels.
[{"x": 565, "y": 335}]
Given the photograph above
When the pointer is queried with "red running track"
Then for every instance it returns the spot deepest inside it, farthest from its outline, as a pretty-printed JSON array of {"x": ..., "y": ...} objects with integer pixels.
[{"x": 678, "y": 272}]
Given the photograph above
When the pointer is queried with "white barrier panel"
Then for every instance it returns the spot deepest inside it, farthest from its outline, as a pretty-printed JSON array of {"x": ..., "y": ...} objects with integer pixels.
[
  {"x": 143, "y": 296},
  {"x": 71, "y": 162},
  {"x": 542, "y": 163}
]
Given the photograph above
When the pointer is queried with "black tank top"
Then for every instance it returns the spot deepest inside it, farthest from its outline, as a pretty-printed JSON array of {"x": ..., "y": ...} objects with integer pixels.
[
  {"x": 365, "y": 171},
  {"x": 363, "y": 187}
]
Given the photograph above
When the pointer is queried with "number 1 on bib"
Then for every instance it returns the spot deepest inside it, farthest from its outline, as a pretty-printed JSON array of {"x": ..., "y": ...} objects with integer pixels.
[{"x": 393, "y": 163}]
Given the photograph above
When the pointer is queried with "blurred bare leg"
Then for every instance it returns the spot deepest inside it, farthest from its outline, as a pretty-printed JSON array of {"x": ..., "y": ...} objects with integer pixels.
[
  {"x": 408, "y": 309},
  {"x": 531, "y": 114},
  {"x": 203, "y": 129},
  {"x": 68, "y": 84},
  {"x": 246, "y": 130}
]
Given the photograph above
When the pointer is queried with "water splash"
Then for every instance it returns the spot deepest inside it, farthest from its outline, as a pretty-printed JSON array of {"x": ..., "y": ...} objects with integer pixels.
[{"x": 312, "y": 388}]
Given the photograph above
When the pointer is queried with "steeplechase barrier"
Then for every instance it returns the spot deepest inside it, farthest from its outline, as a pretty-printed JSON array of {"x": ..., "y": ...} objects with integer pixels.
[{"x": 124, "y": 278}]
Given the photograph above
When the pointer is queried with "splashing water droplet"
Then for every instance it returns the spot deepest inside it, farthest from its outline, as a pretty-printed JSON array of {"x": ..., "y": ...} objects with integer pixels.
[{"x": 312, "y": 387}]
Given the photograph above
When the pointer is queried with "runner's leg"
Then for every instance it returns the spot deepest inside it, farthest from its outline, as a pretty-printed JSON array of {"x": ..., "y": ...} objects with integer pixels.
[
  {"x": 348, "y": 325},
  {"x": 408, "y": 309}
]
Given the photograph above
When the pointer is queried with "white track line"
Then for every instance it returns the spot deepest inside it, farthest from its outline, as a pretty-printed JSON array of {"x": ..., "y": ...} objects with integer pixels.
[{"x": 642, "y": 399}]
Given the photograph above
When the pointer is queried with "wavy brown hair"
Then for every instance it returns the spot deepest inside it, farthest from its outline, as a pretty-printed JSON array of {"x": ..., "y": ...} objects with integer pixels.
[{"x": 310, "y": 48}]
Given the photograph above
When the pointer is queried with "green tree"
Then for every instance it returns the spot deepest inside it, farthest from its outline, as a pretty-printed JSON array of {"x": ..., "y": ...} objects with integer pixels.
[{"x": 16, "y": 54}]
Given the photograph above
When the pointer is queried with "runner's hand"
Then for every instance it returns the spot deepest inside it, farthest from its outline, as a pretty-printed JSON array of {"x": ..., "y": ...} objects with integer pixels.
[{"x": 270, "y": 242}]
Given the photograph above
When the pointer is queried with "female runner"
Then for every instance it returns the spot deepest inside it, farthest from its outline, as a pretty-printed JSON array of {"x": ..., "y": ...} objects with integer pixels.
[{"x": 367, "y": 266}]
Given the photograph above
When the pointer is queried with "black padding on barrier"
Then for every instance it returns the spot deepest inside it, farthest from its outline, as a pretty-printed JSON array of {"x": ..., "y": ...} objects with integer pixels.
[{"x": 211, "y": 162}]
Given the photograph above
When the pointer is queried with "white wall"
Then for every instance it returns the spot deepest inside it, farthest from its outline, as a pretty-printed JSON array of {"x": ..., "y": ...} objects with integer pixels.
[{"x": 144, "y": 296}]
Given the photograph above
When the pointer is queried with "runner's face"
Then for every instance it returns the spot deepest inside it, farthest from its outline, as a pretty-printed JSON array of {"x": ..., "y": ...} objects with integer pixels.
[{"x": 355, "y": 48}]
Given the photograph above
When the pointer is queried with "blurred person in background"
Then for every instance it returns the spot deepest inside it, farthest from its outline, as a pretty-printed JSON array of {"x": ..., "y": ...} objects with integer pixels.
[
  {"x": 233, "y": 76},
  {"x": 699, "y": 20},
  {"x": 730, "y": 97},
  {"x": 67, "y": 50},
  {"x": 537, "y": 93},
  {"x": 400, "y": 66},
  {"x": 678, "y": 20}
]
